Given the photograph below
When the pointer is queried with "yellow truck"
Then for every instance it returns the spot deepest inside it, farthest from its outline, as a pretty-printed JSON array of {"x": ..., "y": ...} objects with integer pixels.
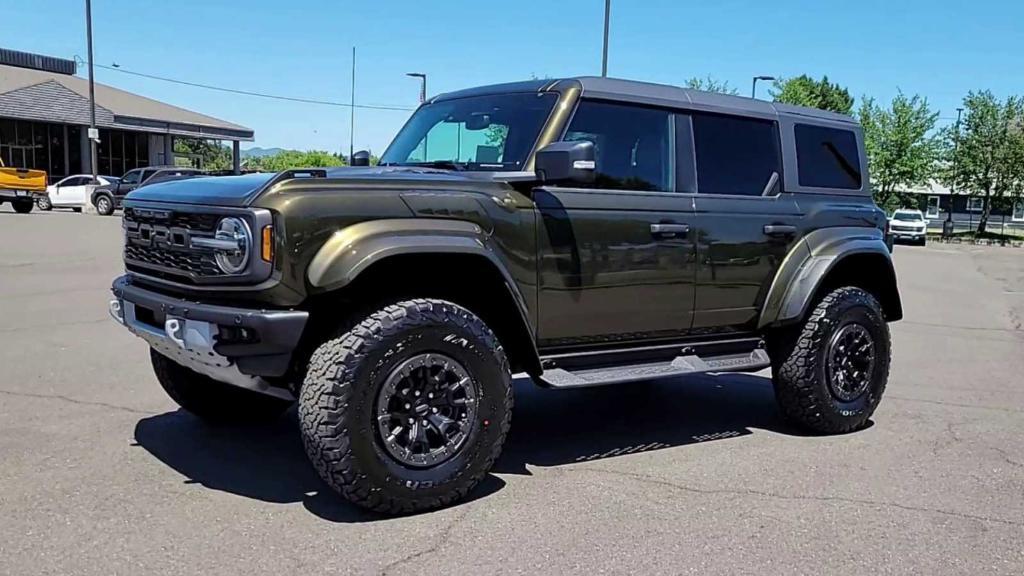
[{"x": 21, "y": 187}]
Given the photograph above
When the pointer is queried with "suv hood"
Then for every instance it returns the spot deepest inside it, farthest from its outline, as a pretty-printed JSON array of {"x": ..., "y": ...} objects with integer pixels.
[{"x": 241, "y": 190}]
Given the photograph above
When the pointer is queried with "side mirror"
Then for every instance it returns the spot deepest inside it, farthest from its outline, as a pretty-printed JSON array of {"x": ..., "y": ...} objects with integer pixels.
[
  {"x": 361, "y": 158},
  {"x": 566, "y": 162}
]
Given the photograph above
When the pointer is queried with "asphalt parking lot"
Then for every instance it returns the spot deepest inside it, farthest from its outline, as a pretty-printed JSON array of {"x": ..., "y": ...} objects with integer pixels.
[{"x": 100, "y": 474}]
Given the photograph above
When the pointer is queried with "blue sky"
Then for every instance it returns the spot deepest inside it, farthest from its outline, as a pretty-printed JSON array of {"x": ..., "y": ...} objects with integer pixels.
[{"x": 938, "y": 48}]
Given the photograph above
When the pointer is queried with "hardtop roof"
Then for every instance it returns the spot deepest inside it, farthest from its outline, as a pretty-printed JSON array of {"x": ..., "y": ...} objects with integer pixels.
[{"x": 655, "y": 95}]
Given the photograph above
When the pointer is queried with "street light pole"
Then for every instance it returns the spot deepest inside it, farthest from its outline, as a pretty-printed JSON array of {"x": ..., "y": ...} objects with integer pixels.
[
  {"x": 352, "y": 113},
  {"x": 423, "y": 84},
  {"x": 604, "y": 52},
  {"x": 93, "y": 133},
  {"x": 753, "y": 87},
  {"x": 947, "y": 226}
]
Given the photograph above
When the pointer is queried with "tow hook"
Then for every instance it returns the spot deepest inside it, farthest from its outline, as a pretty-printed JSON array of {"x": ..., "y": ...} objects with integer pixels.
[{"x": 116, "y": 310}]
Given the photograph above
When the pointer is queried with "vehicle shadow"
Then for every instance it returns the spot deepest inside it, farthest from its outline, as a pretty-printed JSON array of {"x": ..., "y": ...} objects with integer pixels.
[{"x": 550, "y": 428}]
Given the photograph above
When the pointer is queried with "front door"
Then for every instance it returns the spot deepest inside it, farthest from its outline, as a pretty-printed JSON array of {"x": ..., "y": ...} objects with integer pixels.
[
  {"x": 616, "y": 260},
  {"x": 744, "y": 225}
]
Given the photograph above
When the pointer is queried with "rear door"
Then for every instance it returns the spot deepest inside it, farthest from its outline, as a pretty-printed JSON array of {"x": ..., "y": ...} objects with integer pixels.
[
  {"x": 744, "y": 223},
  {"x": 615, "y": 257}
]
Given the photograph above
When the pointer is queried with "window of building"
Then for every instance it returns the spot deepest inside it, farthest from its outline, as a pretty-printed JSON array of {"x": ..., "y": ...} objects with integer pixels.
[
  {"x": 1018, "y": 211},
  {"x": 975, "y": 204},
  {"x": 631, "y": 144},
  {"x": 932, "y": 209},
  {"x": 735, "y": 155},
  {"x": 827, "y": 157}
]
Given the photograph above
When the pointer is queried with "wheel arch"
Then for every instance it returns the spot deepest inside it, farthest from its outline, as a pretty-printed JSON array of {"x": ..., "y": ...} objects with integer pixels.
[
  {"x": 827, "y": 259},
  {"x": 371, "y": 262}
]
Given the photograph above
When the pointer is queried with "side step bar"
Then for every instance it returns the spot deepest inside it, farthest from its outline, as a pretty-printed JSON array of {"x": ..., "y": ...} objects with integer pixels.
[{"x": 746, "y": 358}]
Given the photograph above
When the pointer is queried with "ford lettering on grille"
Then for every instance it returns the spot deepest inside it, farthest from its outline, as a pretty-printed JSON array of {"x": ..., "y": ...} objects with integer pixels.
[{"x": 160, "y": 243}]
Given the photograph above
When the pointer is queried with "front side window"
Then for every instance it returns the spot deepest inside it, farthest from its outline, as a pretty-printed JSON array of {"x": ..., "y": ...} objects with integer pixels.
[
  {"x": 735, "y": 155},
  {"x": 631, "y": 145},
  {"x": 827, "y": 157},
  {"x": 131, "y": 177},
  {"x": 475, "y": 133}
]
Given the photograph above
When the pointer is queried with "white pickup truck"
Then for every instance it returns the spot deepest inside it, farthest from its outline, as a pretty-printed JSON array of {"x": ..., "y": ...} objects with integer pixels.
[{"x": 906, "y": 224}]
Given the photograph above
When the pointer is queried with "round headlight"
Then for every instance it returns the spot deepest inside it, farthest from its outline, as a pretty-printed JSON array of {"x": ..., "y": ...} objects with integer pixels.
[{"x": 236, "y": 231}]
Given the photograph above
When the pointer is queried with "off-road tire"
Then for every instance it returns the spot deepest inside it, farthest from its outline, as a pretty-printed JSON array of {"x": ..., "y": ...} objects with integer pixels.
[
  {"x": 345, "y": 375},
  {"x": 104, "y": 205},
  {"x": 23, "y": 206},
  {"x": 44, "y": 204},
  {"x": 799, "y": 358},
  {"x": 214, "y": 401}
]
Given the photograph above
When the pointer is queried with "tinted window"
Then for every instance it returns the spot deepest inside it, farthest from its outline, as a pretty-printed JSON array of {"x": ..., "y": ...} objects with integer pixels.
[
  {"x": 631, "y": 145},
  {"x": 827, "y": 157},
  {"x": 131, "y": 177},
  {"x": 735, "y": 155}
]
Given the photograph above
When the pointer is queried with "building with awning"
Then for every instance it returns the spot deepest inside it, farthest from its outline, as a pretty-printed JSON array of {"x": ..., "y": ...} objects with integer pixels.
[{"x": 44, "y": 120}]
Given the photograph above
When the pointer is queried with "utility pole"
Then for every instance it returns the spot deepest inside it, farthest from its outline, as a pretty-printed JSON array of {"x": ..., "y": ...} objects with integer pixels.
[
  {"x": 93, "y": 132},
  {"x": 352, "y": 113},
  {"x": 947, "y": 226},
  {"x": 604, "y": 53}
]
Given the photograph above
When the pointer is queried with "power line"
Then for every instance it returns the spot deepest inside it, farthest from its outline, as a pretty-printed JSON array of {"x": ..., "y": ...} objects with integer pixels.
[{"x": 250, "y": 93}]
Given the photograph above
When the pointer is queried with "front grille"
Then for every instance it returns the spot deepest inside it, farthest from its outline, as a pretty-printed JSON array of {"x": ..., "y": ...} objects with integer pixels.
[
  {"x": 193, "y": 264},
  {"x": 900, "y": 228},
  {"x": 158, "y": 243}
]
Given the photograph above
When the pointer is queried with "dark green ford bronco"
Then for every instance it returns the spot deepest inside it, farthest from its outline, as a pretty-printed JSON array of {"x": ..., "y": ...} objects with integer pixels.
[{"x": 583, "y": 231}]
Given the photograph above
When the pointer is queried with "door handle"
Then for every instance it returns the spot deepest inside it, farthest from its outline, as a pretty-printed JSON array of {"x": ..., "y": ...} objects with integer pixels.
[
  {"x": 669, "y": 230},
  {"x": 779, "y": 230}
]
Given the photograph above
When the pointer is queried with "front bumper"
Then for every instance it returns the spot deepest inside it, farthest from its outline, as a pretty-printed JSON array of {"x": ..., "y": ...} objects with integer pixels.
[
  {"x": 239, "y": 346},
  {"x": 909, "y": 235}
]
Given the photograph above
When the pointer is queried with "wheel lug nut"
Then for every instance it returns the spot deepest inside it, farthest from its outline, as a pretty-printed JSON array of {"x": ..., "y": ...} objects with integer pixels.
[
  {"x": 407, "y": 406},
  {"x": 435, "y": 410},
  {"x": 424, "y": 422},
  {"x": 431, "y": 395},
  {"x": 416, "y": 393},
  {"x": 411, "y": 420}
]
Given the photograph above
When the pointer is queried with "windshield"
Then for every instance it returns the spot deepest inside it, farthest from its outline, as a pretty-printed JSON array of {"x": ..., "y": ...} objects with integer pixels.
[
  {"x": 907, "y": 217},
  {"x": 475, "y": 133}
]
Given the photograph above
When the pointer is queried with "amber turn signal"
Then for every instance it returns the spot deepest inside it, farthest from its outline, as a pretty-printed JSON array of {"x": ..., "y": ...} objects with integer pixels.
[{"x": 267, "y": 244}]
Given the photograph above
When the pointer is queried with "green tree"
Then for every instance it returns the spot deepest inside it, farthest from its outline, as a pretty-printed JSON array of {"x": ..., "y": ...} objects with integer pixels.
[
  {"x": 205, "y": 154},
  {"x": 288, "y": 159},
  {"x": 806, "y": 91},
  {"x": 990, "y": 160},
  {"x": 710, "y": 84},
  {"x": 902, "y": 145}
]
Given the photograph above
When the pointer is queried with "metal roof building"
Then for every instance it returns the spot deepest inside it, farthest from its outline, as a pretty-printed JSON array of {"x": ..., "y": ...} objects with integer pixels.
[{"x": 44, "y": 114}]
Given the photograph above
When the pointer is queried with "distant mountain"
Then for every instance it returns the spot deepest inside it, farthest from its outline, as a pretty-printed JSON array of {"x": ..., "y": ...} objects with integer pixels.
[{"x": 257, "y": 152}]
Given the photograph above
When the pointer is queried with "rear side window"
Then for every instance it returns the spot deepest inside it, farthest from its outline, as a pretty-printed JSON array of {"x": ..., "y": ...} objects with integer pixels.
[
  {"x": 735, "y": 155},
  {"x": 827, "y": 157},
  {"x": 631, "y": 145}
]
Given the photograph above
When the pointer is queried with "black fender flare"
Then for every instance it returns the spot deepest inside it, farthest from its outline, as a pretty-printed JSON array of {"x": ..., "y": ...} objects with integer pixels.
[{"x": 353, "y": 249}]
